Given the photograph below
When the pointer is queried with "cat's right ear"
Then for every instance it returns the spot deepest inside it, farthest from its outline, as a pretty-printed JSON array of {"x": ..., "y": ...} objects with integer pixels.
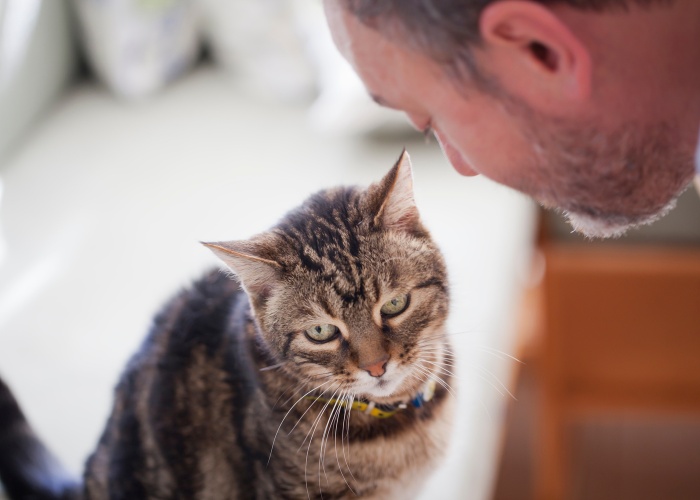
[
  {"x": 247, "y": 260},
  {"x": 394, "y": 197}
]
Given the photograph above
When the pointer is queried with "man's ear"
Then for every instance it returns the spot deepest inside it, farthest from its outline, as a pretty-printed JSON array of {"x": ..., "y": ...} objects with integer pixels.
[{"x": 534, "y": 53}]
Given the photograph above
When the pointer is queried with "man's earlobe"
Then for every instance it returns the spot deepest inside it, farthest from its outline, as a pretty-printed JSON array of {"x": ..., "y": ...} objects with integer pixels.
[{"x": 534, "y": 42}]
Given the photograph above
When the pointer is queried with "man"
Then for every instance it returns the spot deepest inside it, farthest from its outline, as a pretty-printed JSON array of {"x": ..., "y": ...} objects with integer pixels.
[{"x": 589, "y": 106}]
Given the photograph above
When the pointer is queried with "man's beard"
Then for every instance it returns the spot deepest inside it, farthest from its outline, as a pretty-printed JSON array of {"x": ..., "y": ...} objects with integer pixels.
[
  {"x": 603, "y": 182},
  {"x": 613, "y": 227}
]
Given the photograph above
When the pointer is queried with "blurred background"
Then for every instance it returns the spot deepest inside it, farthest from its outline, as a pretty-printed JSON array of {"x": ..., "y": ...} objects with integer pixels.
[{"x": 132, "y": 129}]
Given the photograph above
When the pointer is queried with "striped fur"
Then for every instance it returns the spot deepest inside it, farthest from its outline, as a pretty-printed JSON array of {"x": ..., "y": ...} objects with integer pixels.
[{"x": 213, "y": 406}]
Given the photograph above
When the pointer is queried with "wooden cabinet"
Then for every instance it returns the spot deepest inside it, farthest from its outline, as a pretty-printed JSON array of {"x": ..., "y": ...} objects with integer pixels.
[{"x": 619, "y": 331}]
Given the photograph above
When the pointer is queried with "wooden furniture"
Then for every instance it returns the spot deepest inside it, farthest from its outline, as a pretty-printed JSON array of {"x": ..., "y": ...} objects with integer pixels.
[{"x": 619, "y": 332}]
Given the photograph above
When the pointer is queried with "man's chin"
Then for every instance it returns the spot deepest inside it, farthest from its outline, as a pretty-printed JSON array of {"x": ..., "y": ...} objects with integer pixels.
[{"x": 612, "y": 226}]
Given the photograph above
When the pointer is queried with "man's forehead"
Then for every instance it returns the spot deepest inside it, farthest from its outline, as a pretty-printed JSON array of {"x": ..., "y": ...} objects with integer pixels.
[
  {"x": 388, "y": 70},
  {"x": 365, "y": 49},
  {"x": 338, "y": 19}
]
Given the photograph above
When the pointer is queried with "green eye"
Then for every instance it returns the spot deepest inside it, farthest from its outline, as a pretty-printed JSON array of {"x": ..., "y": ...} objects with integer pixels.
[
  {"x": 322, "y": 333},
  {"x": 395, "y": 306}
]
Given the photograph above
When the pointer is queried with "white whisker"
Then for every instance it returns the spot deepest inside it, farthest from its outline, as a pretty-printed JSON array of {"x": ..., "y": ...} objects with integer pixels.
[
  {"x": 496, "y": 379},
  {"x": 437, "y": 379},
  {"x": 287, "y": 414},
  {"x": 348, "y": 416},
  {"x": 273, "y": 367},
  {"x": 310, "y": 436}
]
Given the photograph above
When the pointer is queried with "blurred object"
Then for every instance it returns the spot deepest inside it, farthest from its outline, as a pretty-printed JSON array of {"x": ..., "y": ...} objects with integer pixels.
[
  {"x": 259, "y": 43},
  {"x": 17, "y": 20},
  {"x": 282, "y": 50},
  {"x": 619, "y": 336},
  {"x": 136, "y": 47},
  {"x": 37, "y": 61},
  {"x": 343, "y": 106},
  {"x": 2, "y": 239}
]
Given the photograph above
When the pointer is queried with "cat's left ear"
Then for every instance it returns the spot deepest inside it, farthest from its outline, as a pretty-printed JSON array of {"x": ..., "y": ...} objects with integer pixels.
[
  {"x": 249, "y": 261},
  {"x": 397, "y": 207}
]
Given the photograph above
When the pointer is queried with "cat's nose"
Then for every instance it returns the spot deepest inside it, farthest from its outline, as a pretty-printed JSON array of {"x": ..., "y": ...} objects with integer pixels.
[{"x": 376, "y": 368}]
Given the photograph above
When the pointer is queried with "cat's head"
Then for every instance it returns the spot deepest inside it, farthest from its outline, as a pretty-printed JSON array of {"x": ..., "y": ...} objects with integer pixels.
[{"x": 349, "y": 290}]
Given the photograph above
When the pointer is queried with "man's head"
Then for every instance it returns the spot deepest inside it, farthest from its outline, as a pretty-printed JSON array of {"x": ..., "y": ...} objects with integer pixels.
[{"x": 590, "y": 106}]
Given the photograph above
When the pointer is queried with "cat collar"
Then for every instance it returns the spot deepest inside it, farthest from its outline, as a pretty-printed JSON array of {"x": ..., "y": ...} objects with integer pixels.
[{"x": 379, "y": 410}]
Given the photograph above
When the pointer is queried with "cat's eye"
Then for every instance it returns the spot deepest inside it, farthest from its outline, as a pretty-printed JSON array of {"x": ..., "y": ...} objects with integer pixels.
[
  {"x": 322, "y": 333},
  {"x": 395, "y": 306}
]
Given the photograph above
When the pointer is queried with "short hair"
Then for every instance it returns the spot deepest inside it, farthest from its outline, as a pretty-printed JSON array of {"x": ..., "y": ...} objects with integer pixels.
[{"x": 447, "y": 30}]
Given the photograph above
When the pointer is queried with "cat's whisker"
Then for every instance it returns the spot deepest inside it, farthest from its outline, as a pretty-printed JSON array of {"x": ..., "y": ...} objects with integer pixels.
[
  {"x": 324, "y": 440},
  {"x": 496, "y": 352},
  {"x": 496, "y": 379},
  {"x": 440, "y": 346},
  {"x": 436, "y": 334},
  {"x": 348, "y": 416},
  {"x": 439, "y": 353},
  {"x": 310, "y": 437},
  {"x": 434, "y": 345},
  {"x": 440, "y": 340},
  {"x": 335, "y": 416},
  {"x": 300, "y": 389},
  {"x": 436, "y": 377},
  {"x": 420, "y": 380},
  {"x": 488, "y": 350},
  {"x": 348, "y": 406},
  {"x": 425, "y": 375},
  {"x": 294, "y": 393},
  {"x": 316, "y": 419},
  {"x": 439, "y": 367},
  {"x": 273, "y": 367},
  {"x": 485, "y": 348},
  {"x": 335, "y": 436},
  {"x": 442, "y": 362},
  {"x": 485, "y": 379},
  {"x": 287, "y": 414}
]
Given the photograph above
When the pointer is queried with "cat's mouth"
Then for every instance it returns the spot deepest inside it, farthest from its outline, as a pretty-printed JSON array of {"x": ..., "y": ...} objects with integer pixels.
[
  {"x": 388, "y": 389},
  {"x": 400, "y": 383}
]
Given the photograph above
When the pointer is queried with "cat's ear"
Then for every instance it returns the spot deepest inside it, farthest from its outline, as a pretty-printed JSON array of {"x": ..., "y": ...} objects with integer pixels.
[
  {"x": 397, "y": 207},
  {"x": 250, "y": 262}
]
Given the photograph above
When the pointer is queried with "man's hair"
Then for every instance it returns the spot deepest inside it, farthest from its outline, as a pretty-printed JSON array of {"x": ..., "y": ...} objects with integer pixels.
[{"x": 447, "y": 30}]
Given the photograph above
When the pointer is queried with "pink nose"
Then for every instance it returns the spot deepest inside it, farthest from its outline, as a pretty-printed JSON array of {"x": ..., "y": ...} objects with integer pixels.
[{"x": 376, "y": 368}]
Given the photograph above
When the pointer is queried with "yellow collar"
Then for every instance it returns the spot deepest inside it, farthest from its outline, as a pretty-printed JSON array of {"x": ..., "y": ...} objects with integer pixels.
[{"x": 382, "y": 411}]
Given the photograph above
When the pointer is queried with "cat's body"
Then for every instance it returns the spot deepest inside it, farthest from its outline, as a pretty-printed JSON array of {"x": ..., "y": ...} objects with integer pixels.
[
  {"x": 216, "y": 406},
  {"x": 245, "y": 392}
]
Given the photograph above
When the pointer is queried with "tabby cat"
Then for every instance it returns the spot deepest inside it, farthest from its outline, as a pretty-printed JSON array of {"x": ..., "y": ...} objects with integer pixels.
[{"x": 324, "y": 374}]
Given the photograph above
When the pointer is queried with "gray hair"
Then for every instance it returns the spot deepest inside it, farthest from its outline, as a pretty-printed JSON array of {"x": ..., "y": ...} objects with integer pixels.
[{"x": 447, "y": 30}]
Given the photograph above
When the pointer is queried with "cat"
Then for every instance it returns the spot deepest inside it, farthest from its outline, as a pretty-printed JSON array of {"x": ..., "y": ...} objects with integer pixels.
[{"x": 322, "y": 370}]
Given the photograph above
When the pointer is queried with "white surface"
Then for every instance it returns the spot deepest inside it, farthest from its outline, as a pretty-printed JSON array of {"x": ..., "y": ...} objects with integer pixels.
[{"x": 104, "y": 206}]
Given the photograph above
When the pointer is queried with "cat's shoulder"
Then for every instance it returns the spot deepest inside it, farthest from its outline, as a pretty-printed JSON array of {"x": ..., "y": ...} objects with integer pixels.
[{"x": 197, "y": 315}]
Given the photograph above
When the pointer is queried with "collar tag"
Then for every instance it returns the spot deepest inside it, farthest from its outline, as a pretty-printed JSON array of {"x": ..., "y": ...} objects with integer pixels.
[{"x": 425, "y": 395}]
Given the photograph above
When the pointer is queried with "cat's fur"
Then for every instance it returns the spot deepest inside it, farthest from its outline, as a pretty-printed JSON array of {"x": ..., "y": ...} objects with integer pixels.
[{"x": 222, "y": 401}]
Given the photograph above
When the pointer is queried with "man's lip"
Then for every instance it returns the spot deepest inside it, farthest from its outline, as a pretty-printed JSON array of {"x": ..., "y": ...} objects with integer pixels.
[{"x": 455, "y": 158}]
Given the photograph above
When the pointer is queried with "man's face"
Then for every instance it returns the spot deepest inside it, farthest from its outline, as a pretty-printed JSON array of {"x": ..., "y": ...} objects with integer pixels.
[{"x": 604, "y": 179}]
